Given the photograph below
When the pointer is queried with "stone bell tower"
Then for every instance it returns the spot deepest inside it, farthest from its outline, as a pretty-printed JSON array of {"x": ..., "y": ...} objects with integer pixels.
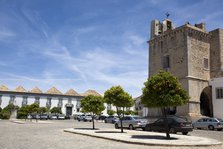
[{"x": 185, "y": 52}]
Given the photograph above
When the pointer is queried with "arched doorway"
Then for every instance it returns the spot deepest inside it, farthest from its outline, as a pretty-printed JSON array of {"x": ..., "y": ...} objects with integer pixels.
[{"x": 206, "y": 107}]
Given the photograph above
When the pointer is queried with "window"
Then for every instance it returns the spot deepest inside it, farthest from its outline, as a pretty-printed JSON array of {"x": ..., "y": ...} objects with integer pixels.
[
  {"x": 166, "y": 61},
  {"x": 206, "y": 66},
  {"x": 12, "y": 99},
  {"x": 219, "y": 93},
  {"x": 109, "y": 107},
  {"x": 24, "y": 101},
  {"x": 37, "y": 100},
  {"x": 60, "y": 102},
  {"x": 48, "y": 103},
  {"x": 78, "y": 105},
  {"x": 69, "y": 100}
]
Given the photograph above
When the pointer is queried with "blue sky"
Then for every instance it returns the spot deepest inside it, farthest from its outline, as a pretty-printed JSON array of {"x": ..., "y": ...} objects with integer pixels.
[{"x": 87, "y": 44}]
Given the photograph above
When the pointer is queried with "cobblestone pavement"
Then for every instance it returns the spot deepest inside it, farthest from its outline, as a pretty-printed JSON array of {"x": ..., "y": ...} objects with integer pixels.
[{"x": 51, "y": 136}]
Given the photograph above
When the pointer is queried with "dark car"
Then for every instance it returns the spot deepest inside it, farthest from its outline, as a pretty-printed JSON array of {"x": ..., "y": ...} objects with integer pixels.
[
  {"x": 44, "y": 116},
  {"x": 175, "y": 124}
]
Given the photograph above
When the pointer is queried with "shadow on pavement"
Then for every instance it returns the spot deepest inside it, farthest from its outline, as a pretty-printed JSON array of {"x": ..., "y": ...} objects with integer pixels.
[
  {"x": 109, "y": 132},
  {"x": 152, "y": 137},
  {"x": 86, "y": 128}
]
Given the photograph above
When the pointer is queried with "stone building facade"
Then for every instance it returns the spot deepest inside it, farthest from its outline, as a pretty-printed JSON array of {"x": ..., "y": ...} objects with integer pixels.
[{"x": 193, "y": 55}]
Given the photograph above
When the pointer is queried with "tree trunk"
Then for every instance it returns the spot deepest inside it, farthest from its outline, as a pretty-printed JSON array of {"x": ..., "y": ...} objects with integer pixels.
[
  {"x": 121, "y": 120},
  {"x": 93, "y": 121},
  {"x": 166, "y": 124}
]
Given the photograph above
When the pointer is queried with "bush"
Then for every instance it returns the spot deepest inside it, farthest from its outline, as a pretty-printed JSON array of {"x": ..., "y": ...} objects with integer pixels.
[
  {"x": 56, "y": 110},
  {"x": 23, "y": 112},
  {"x": 5, "y": 114}
]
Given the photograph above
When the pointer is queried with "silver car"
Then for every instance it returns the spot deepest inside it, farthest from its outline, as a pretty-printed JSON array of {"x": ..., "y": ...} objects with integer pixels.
[
  {"x": 111, "y": 119},
  {"x": 209, "y": 123},
  {"x": 132, "y": 122}
]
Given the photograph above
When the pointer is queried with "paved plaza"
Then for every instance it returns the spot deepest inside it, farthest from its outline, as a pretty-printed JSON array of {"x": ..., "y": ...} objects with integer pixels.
[{"x": 50, "y": 135}]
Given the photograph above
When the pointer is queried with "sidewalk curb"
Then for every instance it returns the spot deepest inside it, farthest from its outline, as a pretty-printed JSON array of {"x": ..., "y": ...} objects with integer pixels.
[{"x": 143, "y": 143}]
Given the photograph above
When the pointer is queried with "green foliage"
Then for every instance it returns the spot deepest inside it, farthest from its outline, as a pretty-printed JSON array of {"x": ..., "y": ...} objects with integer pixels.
[
  {"x": 23, "y": 112},
  {"x": 111, "y": 112},
  {"x": 93, "y": 104},
  {"x": 10, "y": 107},
  {"x": 42, "y": 110},
  {"x": 134, "y": 112},
  {"x": 6, "y": 112},
  {"x": 56, "y": 110},
  {"x": 163, "y": 90},
  {"x": 33, "y": 108},
  {"x": 118, "y": 97},
  {"x": 0, "y": 109}
]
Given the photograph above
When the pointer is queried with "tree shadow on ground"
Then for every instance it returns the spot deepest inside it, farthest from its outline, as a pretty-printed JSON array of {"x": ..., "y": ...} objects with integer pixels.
[
  {"x": 86, "y": 128},
  {"x": 152, "y": 137},
  {"x": 109, "y": 132}
]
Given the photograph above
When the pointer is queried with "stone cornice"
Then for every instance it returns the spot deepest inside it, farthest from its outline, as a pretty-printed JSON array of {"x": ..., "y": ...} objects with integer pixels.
[{"x": 187, "y": 28}]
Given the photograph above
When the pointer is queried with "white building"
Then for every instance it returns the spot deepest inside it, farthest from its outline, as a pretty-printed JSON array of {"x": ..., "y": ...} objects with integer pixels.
[
  {"x": 69, "y": 102},
  {"x": 217, "y": 96}
]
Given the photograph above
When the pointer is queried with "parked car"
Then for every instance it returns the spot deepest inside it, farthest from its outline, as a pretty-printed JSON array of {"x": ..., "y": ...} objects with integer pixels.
[
  {"x": 53, "y": 117},
  {"x": 87, "y": 118},
  {"x": 209, "y": 123},
  {"x": 175, "y": 124},
  {"x": 61, "y": 117},
  {"x": 35, "y": 116},
  {"x": 44, "y": 116},
  {"x": 102, "y": 117},
  {"x": 111, "y": 119},
  {"x": 81, "y": 117},
  {"x": 132, "y": 122}
]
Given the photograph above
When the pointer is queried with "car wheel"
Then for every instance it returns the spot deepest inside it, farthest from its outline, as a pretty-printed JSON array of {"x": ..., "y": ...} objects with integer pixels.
[
  {"x": 116, "y": 126},
  {"x": 131, "y": 127},
  {"x": 210, "y": 127},
  {"x": 172, "y": 130},
  {"x": 147, "y": 128},
  {"x": 144, "y": 129},
  {"x": 105, "y": 121},
  {"x": 184, "y": 133},
  {"x": 220, "y": 129}
]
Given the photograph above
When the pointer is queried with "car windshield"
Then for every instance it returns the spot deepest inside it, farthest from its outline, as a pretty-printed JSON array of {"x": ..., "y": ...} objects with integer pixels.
[{"x": 137, "y": 117}]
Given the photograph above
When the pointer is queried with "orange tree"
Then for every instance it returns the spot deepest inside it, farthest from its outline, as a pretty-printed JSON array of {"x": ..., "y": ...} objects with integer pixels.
[
  {"x": 94, "y": 105},
  {"x": 120, "y": 99},
  {"x": 163, "y": 90}
]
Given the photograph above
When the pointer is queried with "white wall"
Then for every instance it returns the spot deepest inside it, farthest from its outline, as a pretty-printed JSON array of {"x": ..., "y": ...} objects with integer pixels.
[{"x": 217, "y": 103}]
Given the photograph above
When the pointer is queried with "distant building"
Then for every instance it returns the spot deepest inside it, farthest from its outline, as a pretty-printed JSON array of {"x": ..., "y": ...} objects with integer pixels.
[
  {"x": 69, "y": 102},
  {"x": 194, "y": 56},
  {"x": 217, "y": 96}
]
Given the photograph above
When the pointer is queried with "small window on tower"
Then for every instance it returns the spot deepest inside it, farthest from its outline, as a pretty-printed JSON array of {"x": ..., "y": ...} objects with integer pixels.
[
  {"x": 206, "y": 63},
  {"x": 166, "y": 61}
]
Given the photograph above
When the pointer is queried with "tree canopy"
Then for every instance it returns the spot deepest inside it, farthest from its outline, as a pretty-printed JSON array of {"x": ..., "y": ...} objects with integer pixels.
[
  {"x": 120, "y": 99},
  {"x": 163, "y": 90},
  {"x": 93, "y": 104},
  {"x": 56, "y": 110}
]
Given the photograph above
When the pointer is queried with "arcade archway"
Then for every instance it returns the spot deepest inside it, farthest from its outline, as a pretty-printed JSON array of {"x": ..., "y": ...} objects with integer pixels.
[{"x": 206, "y": 107}]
